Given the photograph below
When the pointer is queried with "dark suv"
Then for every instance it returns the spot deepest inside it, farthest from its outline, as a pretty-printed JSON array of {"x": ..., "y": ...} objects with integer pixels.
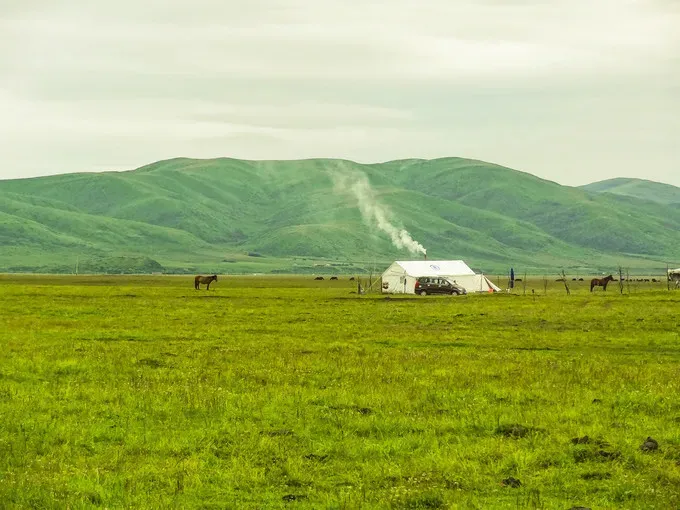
[{"x": 437, "y": 285}]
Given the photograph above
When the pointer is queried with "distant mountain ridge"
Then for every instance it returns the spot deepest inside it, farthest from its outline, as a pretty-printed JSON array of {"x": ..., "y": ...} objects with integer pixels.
[
  {"x": 638, "y": 188},
  {"x": 229, "y": 215}
]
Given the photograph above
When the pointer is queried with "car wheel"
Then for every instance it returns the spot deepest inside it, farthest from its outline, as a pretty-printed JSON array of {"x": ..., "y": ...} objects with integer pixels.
[{"x": 423, "y": 293}]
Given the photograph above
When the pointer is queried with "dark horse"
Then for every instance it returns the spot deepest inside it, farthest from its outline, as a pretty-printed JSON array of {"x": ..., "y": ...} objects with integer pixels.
[
  {"x": 204, "y": 279},
  {"x": 600, "y": 282}
]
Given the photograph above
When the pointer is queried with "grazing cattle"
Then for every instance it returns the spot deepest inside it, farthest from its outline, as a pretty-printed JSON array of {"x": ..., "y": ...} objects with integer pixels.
[
  {"x": 518, "y": 279},
  {"x": 319, "y": 278},
  {"x": 351, "y": 279},
  {"x": 580, "y": 279},
  {"x": 600, "y": 282},
  {"x": 205, "y": 280},
  {"x": 573, "y": 279},
  {"x": 654, "y": 280},
  {"x": 334, "y": 277}
]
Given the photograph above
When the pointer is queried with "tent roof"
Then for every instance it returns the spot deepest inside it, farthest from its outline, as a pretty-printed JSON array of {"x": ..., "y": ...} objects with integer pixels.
[{"x": 435, "y": 267}]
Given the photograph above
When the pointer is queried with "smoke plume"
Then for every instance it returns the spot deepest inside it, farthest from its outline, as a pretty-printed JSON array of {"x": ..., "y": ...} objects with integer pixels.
[{"x": 374, "y": 214}]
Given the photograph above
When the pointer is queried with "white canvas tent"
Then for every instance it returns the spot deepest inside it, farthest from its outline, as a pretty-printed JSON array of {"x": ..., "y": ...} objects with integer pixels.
[
  {"x": 674, "y": 276},
  {"x": 400, "y": 277}
]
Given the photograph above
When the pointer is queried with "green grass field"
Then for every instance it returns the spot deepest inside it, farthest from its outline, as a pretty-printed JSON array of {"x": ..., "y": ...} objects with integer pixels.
[{"x": 140, "y": 392}]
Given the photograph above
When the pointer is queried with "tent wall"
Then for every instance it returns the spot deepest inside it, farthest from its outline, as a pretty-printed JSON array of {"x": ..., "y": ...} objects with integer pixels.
[
  {"x": 400, "y": 277},
  {"x": 474, "y": 283},
  {"x": 434, "y": 267},
  {"x": 399, "y": 284},
  {"x": 396, "y": 281},
  {"x": 493, "y": 286}
]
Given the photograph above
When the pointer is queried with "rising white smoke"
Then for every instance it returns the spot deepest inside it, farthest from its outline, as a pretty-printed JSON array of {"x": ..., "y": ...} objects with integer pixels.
[{"x": 374, "y": 213}]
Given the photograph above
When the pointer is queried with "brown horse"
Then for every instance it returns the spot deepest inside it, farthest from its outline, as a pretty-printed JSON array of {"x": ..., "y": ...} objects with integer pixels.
[
  {"x": 204, "y": 279},
  {"x": 600, "y": 282}
]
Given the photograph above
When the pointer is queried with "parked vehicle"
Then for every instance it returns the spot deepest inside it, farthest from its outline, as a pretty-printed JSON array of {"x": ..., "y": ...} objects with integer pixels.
[{"x": 437, "y": 285}]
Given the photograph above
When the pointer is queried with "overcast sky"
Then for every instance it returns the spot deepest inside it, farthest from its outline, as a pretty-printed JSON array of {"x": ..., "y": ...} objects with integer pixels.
[{"x": 570, "y": 90}]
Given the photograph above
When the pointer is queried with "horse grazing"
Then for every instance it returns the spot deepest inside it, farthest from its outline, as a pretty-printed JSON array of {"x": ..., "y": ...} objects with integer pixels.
[
  {"x": 600, "y": 282},
  {"x": 204, "y": 279}
]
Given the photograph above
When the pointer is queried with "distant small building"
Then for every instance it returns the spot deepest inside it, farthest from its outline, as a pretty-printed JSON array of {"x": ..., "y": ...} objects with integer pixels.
[{"x": 400, "y": 277}]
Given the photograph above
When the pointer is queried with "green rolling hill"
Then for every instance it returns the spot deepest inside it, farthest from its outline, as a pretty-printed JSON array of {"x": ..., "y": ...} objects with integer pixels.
[
  {"x": 637, "y": 188},
  {"x": 235, "y": 216}
]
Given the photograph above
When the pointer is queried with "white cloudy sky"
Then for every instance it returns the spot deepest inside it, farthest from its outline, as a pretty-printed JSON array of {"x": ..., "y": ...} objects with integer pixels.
[{"x": 570, "y": 90}]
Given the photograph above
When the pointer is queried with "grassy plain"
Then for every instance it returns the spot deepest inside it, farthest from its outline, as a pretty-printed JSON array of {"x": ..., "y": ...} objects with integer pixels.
[{"x": 141, "y": 392}]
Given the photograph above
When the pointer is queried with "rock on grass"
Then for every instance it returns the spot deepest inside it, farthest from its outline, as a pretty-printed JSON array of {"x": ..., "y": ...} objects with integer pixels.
[
  {"x": 515, "y": 430},
  {"x": 511, "y": 482},
  {"x": 649, "y": 445},
  {"x": 293, "y": 497}
]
